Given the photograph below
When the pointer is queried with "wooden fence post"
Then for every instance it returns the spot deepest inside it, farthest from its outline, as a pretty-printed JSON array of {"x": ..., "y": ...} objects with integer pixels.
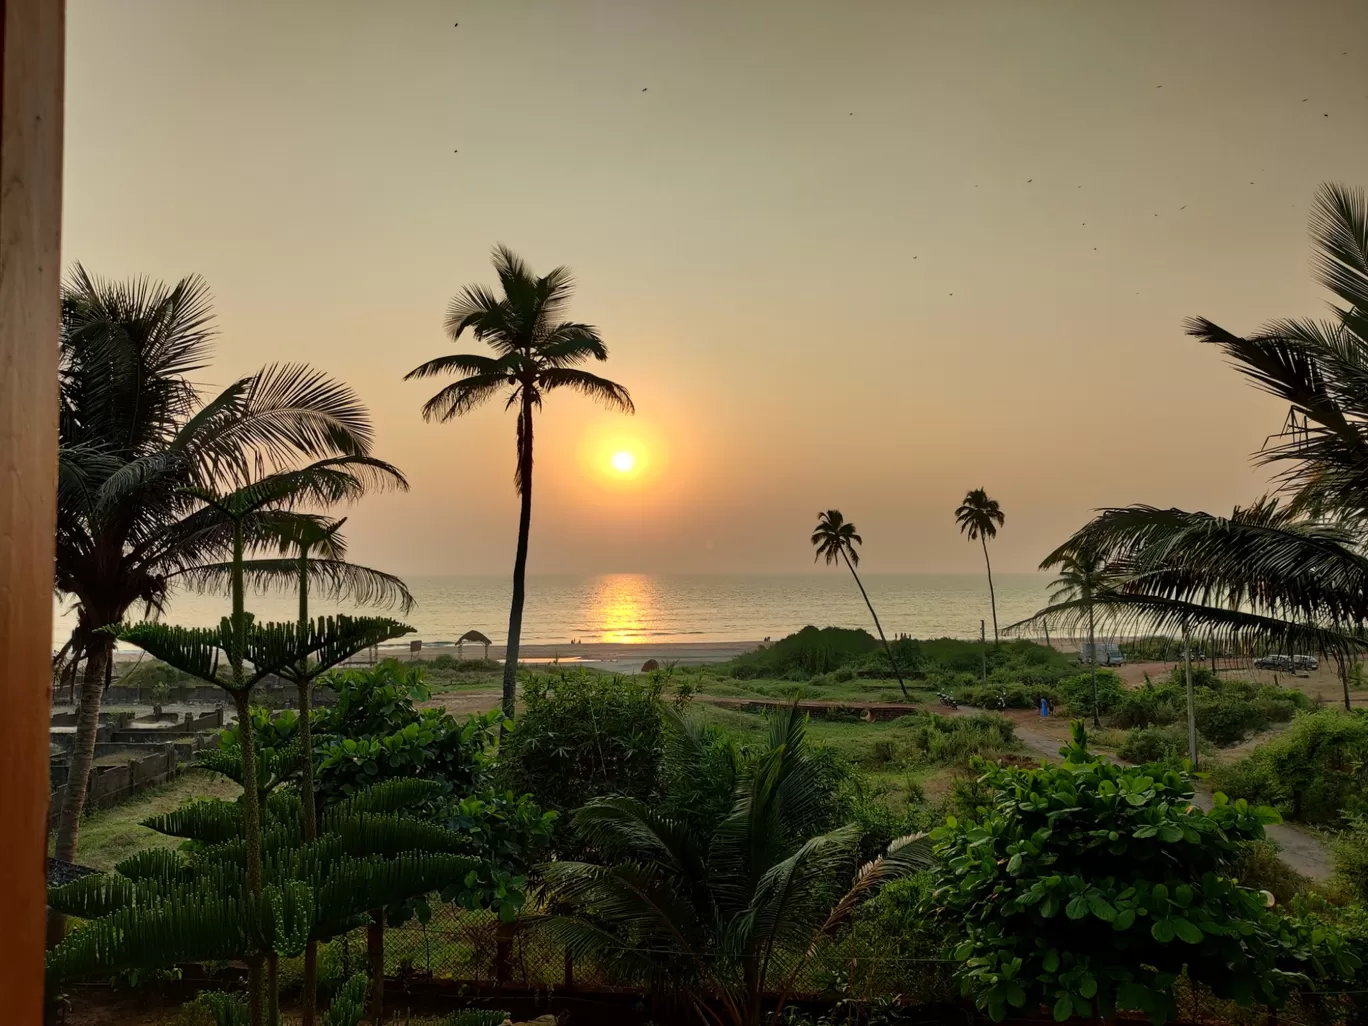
[
  {"x": 32, "y": 52},
  {"x": 503, "y": 953}
]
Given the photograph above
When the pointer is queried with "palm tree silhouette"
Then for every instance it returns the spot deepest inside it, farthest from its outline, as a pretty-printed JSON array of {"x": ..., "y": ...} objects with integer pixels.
[
  {"x": 1083, "y": 578},
  {"x": 534, "y": 354},
  {"x": 835, "y": 538},
  {"x": 134, "y": 436},
  {"x": 979, "y": 517}
]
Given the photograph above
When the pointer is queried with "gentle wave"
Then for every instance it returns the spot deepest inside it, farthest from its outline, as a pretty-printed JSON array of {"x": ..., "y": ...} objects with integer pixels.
[{"x": 640, "y": 608}]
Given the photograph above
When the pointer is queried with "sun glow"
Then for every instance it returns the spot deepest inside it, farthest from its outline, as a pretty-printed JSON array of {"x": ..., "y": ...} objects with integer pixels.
[{"x": 623, "y": 462}]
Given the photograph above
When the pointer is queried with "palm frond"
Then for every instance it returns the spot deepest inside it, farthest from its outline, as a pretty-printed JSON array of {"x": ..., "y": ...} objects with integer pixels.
[
  {"x": 463, "y": 396},
  {"x": 609, "y": 393},
  {"x": 335, "y": 580},
  {"x": 1339, "y": 224},
  {"x": 460, "y": 363}
]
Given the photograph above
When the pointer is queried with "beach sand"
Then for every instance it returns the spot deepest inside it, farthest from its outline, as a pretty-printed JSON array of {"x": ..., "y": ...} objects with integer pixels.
[
  {"x": 619, "y": 658},
  {"x": 600, "y": 655}
]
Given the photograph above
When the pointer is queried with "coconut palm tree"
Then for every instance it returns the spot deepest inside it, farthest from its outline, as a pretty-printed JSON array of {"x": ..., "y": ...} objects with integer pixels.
[
  {"x": 730, "y": 912},
  {"x": 136, "y": 440},
  {"x": 1289, "y": 572},
  {"x": 979, "y": 517},
  {"x": 1083, "y": 578},
  {"x": 534, "y": 353},
  {"x": 835, "y": 538}
]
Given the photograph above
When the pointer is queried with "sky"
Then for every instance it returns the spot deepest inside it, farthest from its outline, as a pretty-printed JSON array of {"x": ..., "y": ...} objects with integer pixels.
[{"x": 863, "y": 255}]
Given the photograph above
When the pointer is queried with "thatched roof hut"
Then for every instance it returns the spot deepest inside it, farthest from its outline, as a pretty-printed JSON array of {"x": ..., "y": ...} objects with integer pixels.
[{"x": 474, "y": 637}]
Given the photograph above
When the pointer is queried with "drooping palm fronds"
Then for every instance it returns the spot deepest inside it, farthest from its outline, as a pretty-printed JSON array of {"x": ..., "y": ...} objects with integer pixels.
[
  {"x": 535, "y": 353},
  {"x": 716, "y": 915},
  {"x": 137, "y": 441}
]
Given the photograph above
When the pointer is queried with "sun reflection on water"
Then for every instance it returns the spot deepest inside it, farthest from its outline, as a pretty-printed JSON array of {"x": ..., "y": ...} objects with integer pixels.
[{"x": 622, "y": 608}]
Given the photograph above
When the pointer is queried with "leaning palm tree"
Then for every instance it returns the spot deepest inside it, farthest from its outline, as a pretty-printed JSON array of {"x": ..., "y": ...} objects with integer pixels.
[
  {"x": 835, "y": 538},
  {"x": 720, "y": 916},
  {"x": 534, "y": 353},
  {"x": 979, "y": 517},
  {"x": 136, "y": 440}
]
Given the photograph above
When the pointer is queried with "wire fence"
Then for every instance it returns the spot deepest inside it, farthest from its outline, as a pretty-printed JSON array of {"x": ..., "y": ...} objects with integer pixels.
[{"x": 858, "y": 968}]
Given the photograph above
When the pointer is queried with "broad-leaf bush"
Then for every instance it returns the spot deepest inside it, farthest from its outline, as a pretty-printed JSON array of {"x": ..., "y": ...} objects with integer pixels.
[
  {"x": 584, "y": 735},
  {"x": 1314, "y": 772},
  {"x": 1091, "y": 887}
]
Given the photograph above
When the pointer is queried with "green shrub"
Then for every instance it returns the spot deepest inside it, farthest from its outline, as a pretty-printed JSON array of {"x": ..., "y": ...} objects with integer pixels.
[
  {"x": 1227, "y": 720},
  {"x": 584, "y": 735},
  {"x": 1076, "y": 692},
  {"x": 843, "y": 675},
  {"x": 1350, "y": 853},
  {"x": 1004, "y": 696},
  {"x": 957, "y": 739},
  {"x": 1258, "y": 866},
  {"x": 1062, "y": 895},
  {"x": 149, "y": 672},
  {"x": 1166, "y": 745},
  {"x": 808, "y": 652},
  {"x": 1314, "y": 772}
]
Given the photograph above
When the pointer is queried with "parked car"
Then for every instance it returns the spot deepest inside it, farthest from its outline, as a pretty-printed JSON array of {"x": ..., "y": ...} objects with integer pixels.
[{"x": 1287, "y": 663}]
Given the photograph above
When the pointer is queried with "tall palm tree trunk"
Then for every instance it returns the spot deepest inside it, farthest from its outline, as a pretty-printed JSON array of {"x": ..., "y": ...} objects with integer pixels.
[
  {"x": 877, "y": 626},
  {"x": 992, "y": 596},
  {"x": 251, "y": 800},
  {"x": 78, "y": 776},
  {"x": 515, "y": 611},
  {"x": 1092, "y": 663},
  {"x": 308, "y": 1001}
]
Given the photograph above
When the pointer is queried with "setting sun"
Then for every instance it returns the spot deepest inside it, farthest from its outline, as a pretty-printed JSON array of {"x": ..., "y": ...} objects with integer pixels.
[{"x": 623, "y": 462}]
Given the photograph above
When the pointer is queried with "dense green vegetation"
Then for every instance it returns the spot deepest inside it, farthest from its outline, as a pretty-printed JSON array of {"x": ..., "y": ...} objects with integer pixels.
[
  {"x": 1314, "y": 772},
  {"x": 1091, "y": 888}
]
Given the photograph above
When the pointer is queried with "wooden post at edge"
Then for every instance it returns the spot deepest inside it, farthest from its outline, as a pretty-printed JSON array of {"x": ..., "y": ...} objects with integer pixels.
[{"x": 32, "y": 48}]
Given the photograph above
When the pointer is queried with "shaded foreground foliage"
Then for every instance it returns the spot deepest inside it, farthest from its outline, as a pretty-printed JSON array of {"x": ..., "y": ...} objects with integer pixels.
[
  {"x": 1091, "y": 888},
  {"x": 717, "y": 916}
]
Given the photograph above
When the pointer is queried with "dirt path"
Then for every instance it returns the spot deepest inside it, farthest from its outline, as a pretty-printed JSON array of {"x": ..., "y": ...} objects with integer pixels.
[{"x": 463, "y": 703}]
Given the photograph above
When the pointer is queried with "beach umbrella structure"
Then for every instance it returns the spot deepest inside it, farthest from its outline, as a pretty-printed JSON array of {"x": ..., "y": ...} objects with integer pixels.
[{"x": 475, "y": 637}]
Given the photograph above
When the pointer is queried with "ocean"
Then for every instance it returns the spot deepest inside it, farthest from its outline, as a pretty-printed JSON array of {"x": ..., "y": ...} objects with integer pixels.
[{"x": 654, "y": 608}]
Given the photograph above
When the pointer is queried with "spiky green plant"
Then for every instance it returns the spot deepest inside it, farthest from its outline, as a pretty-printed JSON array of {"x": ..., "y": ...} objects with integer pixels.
[
  {"x": 729, "y": 914},
  {"x": 168, "y": 906},
  {"x": 259, "y": 511}
]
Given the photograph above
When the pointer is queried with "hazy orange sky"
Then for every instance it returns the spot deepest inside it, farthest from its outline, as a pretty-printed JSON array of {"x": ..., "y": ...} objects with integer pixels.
[{"x": 857, "y": 254}]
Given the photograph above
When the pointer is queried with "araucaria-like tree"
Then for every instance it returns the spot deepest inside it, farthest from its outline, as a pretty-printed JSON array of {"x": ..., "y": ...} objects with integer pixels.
[
  {"x": 534, "y": 353},
  {"x": 979, "y": 517},
  {"x": 835, "y": 538}
]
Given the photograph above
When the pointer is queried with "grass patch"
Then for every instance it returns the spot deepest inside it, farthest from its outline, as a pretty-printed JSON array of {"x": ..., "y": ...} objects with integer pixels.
[{"x": 110, "y": 835}]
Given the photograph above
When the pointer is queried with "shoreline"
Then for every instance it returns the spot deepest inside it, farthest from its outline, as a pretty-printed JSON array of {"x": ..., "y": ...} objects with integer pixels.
[{"x": 623, "y": 657}]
